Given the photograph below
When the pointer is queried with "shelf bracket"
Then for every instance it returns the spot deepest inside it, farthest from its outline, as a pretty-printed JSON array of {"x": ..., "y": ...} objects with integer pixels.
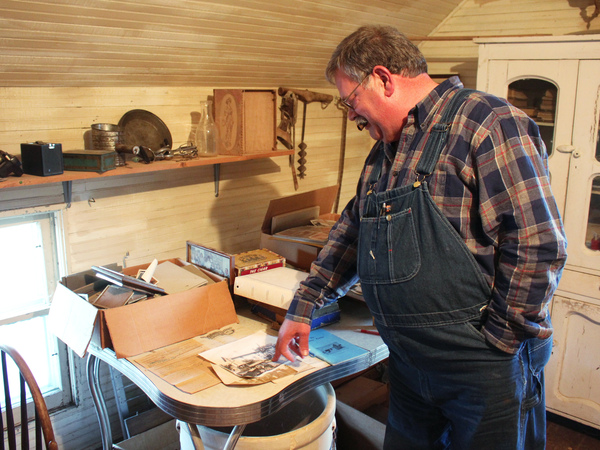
[
  {"x": 217, "y": 174},
  {"x": 67, "y": 192}
]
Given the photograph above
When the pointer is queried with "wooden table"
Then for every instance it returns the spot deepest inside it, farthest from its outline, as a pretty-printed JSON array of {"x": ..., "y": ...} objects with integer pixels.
[{"x": 236, "y": 406}]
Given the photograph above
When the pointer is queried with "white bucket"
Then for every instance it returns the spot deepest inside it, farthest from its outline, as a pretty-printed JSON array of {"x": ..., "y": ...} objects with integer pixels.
[{"x": 306, "y": 423}]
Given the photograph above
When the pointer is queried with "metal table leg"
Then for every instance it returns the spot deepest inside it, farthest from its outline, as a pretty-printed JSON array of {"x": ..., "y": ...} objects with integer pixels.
[
  {"x": 234, "y": 436},
  {"x": 93, "y": 377},
  {"x": 93, "y": 371},
  {"x": 230, "y": 444}
]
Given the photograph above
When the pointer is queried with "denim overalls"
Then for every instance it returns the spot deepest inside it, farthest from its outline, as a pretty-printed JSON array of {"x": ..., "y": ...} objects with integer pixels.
[{"x": 427, "y": 294}]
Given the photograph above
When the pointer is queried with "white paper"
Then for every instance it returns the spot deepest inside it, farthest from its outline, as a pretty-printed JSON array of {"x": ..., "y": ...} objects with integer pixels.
[
  {"x": 149, "y": 272},
  {"x": 72, "y": 319},
  {"x": 250, "y": 359}
]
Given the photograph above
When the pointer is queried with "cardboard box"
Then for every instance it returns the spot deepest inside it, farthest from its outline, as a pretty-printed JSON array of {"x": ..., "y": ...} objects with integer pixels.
[
  {"x": 140, "y": 327},
  {"x": 246, "y": 121},
  {"x": 164, "y": 436},
  {"x": 292, "y": 211}
]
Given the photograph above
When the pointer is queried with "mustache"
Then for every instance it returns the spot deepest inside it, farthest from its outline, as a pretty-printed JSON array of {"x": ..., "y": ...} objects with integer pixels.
[{"x": 361, "y": 123}]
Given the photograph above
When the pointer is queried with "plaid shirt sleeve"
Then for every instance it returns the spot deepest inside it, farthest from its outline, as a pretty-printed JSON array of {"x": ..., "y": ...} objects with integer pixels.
[
  {"x": 519, "y": 218},
  {"x": 334, "y": 272}
]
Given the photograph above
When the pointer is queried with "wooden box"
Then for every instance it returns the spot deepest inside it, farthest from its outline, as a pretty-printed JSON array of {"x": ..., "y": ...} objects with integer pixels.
[{"x": 246, "y": 121}]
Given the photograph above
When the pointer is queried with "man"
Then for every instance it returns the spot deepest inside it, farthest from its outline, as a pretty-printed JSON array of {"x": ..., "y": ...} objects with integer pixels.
[{"x": 457, "y": 242}]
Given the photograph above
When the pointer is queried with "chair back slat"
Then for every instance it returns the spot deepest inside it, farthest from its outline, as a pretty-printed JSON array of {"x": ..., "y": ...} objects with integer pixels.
[
  {"x": 24, "y": 419},
  {"x": 44, "y": 434},
  {"x": 10, "y": 421},
  {"x": 38, "y": 430},
  {"x": 1, "y": 428}
]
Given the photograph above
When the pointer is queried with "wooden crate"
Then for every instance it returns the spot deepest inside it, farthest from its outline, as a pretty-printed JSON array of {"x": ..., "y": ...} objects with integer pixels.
[{"x": 246, "y": 120}]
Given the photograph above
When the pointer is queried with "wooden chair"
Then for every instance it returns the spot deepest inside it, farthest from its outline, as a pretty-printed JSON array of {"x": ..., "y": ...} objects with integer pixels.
[{"x": 42, "y": 418}]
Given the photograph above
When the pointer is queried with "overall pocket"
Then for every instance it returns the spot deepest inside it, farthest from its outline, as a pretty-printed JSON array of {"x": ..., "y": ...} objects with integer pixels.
[{"x": 388, "y": 251}]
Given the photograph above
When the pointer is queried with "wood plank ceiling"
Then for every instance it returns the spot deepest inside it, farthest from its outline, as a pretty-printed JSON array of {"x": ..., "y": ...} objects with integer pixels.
[{"x": 218, "y": 43}]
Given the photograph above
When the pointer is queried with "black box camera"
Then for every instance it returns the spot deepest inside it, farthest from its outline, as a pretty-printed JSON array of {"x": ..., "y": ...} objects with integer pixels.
[
  {"x": 42, "y": 159},
  {"x": 9, "y": 165}
]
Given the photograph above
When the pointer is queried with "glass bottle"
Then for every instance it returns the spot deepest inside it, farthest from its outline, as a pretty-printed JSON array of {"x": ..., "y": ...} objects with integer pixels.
[{"x": 206, "y": 133}]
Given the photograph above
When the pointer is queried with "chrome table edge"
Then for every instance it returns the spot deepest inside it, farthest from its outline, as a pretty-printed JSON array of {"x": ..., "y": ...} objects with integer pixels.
[{"x": 231, "y": 416}]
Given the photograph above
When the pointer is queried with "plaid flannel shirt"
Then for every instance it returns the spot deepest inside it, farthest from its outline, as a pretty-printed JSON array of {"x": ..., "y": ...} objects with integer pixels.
[{"x": 491, "y": 182}]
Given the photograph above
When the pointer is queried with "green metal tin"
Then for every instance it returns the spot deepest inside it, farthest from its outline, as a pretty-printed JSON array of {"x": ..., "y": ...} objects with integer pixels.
[{"x": 90, "y": 160}]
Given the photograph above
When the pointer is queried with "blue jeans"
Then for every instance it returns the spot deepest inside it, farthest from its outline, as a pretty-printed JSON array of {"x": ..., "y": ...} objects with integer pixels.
[{"x": 469, "y": 398}]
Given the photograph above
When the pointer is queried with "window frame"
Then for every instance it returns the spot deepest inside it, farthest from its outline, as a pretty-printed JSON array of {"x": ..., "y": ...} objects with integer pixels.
[{"x": 54, "y": 242}]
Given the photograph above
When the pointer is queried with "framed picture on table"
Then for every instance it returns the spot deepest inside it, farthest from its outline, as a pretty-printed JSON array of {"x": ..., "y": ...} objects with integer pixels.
[{"x": 212, "y": 260}]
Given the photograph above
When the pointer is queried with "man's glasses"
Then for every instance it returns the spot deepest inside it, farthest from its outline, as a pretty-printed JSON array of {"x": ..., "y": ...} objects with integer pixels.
[{"x": 346, "y": 100}]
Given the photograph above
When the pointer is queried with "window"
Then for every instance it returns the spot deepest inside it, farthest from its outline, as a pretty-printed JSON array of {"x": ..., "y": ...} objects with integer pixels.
[{"x": 32, "y": 263}]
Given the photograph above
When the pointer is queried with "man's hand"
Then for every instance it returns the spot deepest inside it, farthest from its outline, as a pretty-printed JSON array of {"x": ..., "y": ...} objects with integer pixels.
[{"x": 292, "y": 338}]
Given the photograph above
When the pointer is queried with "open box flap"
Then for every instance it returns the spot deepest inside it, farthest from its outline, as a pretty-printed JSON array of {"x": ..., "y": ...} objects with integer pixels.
[
  {"x": 324, "y": 198},
  {"x": 162, "y": 321},
  {"x": 72, "y": 319}
]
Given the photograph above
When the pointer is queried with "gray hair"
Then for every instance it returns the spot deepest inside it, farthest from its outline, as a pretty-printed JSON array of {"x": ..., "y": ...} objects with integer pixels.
[{"x": 374, "y": 45}]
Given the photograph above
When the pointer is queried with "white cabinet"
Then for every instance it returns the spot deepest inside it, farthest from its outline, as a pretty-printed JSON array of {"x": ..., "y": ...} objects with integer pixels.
[{"x": 557, "y": 81}]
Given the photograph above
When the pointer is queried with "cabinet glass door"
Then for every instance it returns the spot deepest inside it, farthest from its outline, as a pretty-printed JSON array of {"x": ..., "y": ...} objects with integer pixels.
[
  {"x": 582, "y": 215},
  {"x": 537, "y": 98},
  {"x": 571, "y": 64},
  {"x": 546, "y": 91}
]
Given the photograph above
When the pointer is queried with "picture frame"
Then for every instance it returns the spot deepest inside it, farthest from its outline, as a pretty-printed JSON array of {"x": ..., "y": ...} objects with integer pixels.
[{"x": 210, "y": 259}]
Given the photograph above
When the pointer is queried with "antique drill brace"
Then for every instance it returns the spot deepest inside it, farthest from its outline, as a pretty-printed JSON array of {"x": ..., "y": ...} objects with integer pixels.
[{"x": 305, "y": 96}]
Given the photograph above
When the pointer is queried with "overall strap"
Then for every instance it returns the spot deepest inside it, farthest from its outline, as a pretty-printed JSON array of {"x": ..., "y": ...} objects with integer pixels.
[{"x": 439, "y": 134}]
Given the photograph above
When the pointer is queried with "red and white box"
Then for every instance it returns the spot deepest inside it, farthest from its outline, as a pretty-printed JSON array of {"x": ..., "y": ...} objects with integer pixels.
[{"x": 256, "y": 261}]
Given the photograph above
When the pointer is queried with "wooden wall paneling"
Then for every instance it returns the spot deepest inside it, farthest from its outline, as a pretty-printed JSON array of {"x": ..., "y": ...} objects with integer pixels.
[
  {"x": 161, "y": 42},
  {"x": 65, "y": 116},
  {"x": 132, "y": 222},
  {"x": 127, "y": 206},
  {"x": 237, "y": 21},
  {"x": 500, "y": 17},
  {"x": 28, "y": 197},
  {"x": 506, "y": 17}
]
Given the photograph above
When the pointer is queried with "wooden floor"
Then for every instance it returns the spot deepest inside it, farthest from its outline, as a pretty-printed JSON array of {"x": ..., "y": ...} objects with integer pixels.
[{"x": 563, "y": 434}]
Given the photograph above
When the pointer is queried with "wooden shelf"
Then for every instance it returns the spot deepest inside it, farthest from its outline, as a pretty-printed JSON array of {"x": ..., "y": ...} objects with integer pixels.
[
  {"x": 134, "y": 168},
  {"x": 68, "y": 176}
]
